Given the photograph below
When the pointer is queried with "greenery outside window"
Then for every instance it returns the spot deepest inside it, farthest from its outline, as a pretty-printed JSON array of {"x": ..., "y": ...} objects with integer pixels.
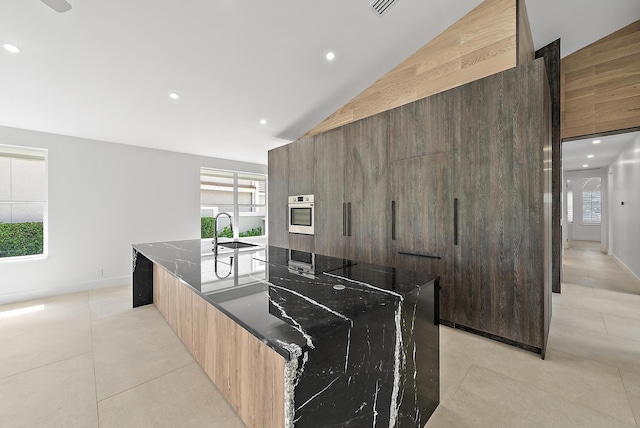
[
  {"x": 241, "y": 195},
  {"x": 23, "y": 202}
]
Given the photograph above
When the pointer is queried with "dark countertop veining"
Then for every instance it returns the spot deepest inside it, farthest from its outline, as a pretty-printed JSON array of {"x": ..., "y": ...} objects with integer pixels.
[
  {"x": 360, "y": 341},
  {"x": 260, "y": 284}
]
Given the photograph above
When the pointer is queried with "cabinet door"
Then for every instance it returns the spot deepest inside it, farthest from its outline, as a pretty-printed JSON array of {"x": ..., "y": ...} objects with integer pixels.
[
  {"x": 278, "y": 189},
  {"x": 422, "y": 220},
  {"x": 499, "y": 259},
  {"x": 330, "y": 207},
  {"x": 366, "y": 189},
  {"x": 301, "y": 182},
  {"x": 302, "y": 166}
]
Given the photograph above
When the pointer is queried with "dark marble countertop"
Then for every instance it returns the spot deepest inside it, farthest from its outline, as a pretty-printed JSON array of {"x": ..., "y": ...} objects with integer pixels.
[{"x": 287, "y": 300}]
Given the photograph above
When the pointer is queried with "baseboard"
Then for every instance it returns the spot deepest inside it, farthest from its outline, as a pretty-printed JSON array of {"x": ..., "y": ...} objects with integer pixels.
[
  {"x": 41, "y": 293},
  {"x": 625, "y": 267},
  {"x": 497, "y": 338}
]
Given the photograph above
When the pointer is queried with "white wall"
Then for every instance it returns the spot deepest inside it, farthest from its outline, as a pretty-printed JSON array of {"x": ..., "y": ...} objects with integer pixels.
[
  {"x": 103, "y": 197},
  {"x": 624, "y": 174}
]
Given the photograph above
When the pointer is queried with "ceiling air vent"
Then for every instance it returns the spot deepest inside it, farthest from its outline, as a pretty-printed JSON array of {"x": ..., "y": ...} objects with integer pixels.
[{"x": 380, "y": 7}]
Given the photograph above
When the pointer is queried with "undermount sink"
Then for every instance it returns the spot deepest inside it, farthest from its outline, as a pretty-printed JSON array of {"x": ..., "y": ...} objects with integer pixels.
[{"x": 236, "y": 244}]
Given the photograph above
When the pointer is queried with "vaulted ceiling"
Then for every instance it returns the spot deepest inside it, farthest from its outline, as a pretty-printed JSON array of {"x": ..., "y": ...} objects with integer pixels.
[{"x": 104, "y": 70}]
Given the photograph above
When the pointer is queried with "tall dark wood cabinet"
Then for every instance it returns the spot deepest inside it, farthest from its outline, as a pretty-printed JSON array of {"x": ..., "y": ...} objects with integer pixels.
[
  {"x": 421, "y": 135},
  {"x": 302, "y": 164},
  {"x": 366, "y": 189},
  {"x": 499, "y": 185},
  {"x": 330, "y": 208},
  {"x": 457, "y": 184},
  {"x": 277, "y": 191}
]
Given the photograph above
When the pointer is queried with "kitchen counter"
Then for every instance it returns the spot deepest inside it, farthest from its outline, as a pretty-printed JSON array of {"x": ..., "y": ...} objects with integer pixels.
[{"x": 359, "y": 341}]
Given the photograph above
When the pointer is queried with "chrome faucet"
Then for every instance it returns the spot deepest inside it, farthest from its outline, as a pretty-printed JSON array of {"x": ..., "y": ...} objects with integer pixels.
[{"x": 215, "y": 230}]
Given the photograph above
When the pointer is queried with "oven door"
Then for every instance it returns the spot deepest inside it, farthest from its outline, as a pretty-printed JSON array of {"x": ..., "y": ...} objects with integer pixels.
[{"x": 301, "y": 218}]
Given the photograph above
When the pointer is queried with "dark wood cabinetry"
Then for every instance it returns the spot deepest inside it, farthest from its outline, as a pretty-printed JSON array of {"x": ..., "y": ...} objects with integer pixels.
[
  {"x": 453, "y": 184},
  {"x": 498, "y": 179},
  {"x": 330, "y": 208},
  {"x": 423, "y": 219},
  {"x": 366, "y": 189},
  {"x": 277, "y": 192}
]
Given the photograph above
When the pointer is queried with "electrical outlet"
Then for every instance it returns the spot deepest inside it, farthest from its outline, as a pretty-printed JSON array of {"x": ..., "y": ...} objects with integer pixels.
[{"x": 99, "y": 272}]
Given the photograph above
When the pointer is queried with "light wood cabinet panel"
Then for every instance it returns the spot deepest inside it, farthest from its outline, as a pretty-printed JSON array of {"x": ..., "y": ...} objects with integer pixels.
[{"x": 248, "y": 373}]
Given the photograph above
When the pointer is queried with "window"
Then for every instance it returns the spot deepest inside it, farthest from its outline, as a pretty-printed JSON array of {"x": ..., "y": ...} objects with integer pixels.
[
  {"x": 241, "y": 195},
  {"x": 23, "y": 202},
  {"x": 591, "y": 201},
  {"x": 569, "y": 202}
]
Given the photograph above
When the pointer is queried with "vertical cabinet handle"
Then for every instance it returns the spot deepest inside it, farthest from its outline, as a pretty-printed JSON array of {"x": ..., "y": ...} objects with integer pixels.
[
  {"x": 455, "y": 221},
  {"x": 344, "y": 219},
  {"x": 349, "y": 218},
  {"x": 393, "y": 220}
]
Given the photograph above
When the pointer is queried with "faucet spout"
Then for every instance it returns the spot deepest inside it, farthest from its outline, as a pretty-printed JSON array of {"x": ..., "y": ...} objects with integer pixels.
[{"x": 215, "y": 230}]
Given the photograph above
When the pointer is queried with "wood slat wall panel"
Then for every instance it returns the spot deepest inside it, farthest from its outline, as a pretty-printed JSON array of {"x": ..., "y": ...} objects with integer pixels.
[
  {"x": 526, "y": 51},
  {"x": 481, "y": 43},
  {"x": 248, "y": 373},
  {"x": 601, "y": 85}
]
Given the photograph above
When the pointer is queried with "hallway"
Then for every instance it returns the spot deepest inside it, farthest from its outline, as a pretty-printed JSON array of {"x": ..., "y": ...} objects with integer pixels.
[{"x": 591, "y": 377}]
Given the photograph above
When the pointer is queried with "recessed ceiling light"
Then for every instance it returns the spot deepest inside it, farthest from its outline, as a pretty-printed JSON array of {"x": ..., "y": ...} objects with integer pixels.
[
  {"x": 174, "y": 95},
  {"x": 597, "y": 141},
  {"x": 585, "y": 166},
  {"x": 263, "y": 121},
  {"x": 589, "y": 156},
  {"x": 331, "y": 56},
  {"x": 11, "y": 48}
]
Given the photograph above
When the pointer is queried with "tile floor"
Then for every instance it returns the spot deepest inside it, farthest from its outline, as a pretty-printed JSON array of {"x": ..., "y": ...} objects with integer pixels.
[{"x": 89, "y": 360}]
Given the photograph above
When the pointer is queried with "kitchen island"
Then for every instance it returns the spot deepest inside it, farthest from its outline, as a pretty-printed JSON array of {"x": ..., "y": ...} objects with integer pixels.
[{"x": 300, "y": 339}]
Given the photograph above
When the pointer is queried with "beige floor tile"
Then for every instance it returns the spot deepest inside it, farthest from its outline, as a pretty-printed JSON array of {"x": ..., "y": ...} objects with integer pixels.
[
  {"x": 583, "y": 318},
  {"x": 453, "y": 368},
  {"x": 611, "y": 350},
  {"x": 623, "y": 327},
  {"x": 61, "y": 394},
  {"x": 111, "y": 301},
  {"x": 489, "y": 399},
  {"x": 632, "y": 384},
  {"x": 629, "y": 287},
  {"x": 611, "y": 274},
  {"x": 574, "y": 273},
  {"x": 5, "y": 311},
  {"x": 51, "y": 309},
  {"x": 35, "y": 340},
  {"x": 184, "y": 398},
  {"x": 579, "y": 380},
  {"x": 133, "y": 348},
  {"x": 626, "y": 307},
  {"x": 570, "y": 289},
  {"x": 617, "y": 296},
  {"x": 438, "y": 419}
]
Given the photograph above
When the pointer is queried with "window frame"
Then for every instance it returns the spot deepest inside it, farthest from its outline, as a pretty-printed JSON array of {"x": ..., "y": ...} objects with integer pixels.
[
  {"x": 237, "y": 175},
  {"x": 32, "y": 153}
]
